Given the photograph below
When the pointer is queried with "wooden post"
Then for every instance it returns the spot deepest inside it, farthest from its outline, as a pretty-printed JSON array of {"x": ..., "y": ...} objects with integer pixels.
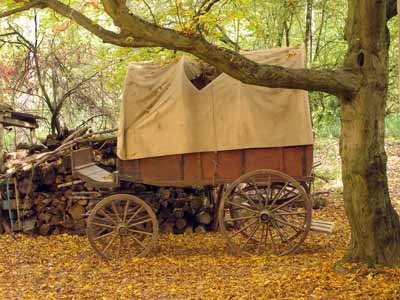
[{"x": 33, "y": 136}]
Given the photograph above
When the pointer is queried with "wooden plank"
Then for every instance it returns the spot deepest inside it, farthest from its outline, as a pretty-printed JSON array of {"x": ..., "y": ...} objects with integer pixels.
[
  {"x": 218, "y": 167},
  {"x": 322, "y": 226},
  {"x": 13, "y": 122}
]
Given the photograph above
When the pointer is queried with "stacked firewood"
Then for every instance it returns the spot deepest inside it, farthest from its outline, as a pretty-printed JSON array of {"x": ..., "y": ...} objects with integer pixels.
[
  {"x": 184, "y": 210},
  {"x": 40, "y": 196}
]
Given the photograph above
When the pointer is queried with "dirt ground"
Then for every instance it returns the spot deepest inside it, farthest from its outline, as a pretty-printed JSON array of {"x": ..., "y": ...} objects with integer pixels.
[{"x": 198, "y": 266}]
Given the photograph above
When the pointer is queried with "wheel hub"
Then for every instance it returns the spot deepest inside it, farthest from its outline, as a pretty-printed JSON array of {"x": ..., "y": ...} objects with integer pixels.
[
  {"x": 122, "y": 229},
  {"x": 265, "y": 216}
]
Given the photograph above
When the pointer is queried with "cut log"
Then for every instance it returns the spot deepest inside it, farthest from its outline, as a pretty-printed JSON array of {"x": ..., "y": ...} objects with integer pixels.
[
  {"x": 29, "y": 224},
  {"x": 44, "y": 229},
  {"x": 165, "y": 194},
  {"x": 203, "y": 217},
  {"x": 178, "y": 212},
  {"x": 180, "y": 224},
  {"x": 44, "y": 217},
  {"x": 200, "y": 229},
  {"x": 23, "y": 185},
  {"x": 82, "y": 202},
  {"x": 188, "y": 230},
  {"x": 196, "y": 203},
  {"x": 167, "y": 227},
  {"x": 77, "y": 212},
  {"x": 48, "y": 175}
]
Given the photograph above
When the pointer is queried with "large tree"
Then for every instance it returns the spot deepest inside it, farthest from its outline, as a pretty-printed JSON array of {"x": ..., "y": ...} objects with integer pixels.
[{"x": 361, "y": 85}]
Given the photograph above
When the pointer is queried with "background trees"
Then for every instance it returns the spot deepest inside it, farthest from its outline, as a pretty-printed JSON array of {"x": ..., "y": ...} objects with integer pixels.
[{"x": 236, "y": 25}]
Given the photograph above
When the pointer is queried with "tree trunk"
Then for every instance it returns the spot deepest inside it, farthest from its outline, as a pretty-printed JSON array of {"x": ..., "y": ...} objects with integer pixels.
[
  {"x": 308, "y": 41},
  {"x": 374, "y": 223},
  {"x": 55, "y": 123}
]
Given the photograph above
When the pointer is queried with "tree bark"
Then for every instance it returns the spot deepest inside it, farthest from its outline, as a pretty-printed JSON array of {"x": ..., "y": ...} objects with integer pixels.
[
  {"x": 308, "y": 41},
  {"x": 375, "y": 225}
]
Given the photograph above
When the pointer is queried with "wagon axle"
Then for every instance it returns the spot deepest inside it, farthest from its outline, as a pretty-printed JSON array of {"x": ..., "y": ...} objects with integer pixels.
[
  {"x": 122, "y": 229},
  {"x": 265, "y": 216}
]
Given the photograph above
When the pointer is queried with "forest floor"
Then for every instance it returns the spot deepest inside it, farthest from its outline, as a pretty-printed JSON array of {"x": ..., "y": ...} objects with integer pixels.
[{"x": 199, "y": 266}]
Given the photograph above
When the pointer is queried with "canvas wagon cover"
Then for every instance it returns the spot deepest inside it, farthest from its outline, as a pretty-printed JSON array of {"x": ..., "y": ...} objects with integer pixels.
[{"x": 163, "y": 113}]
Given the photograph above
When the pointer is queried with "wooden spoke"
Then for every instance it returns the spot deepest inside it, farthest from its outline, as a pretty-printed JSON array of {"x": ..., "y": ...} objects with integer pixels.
[
  {"x": 102, "y": 225},
  {"x": 101, "y": 231},
  {"x": 243, "y": 228},
  {"x": 138, "y": 242},
  {"x": 104, "y": 235},
  {"x": 250, "y": 236},
  {"x": 129, "y": 251},
  {"x": 273, "y": 244},
  {"x": 281, "y": 233},
  {"x": 140, "y": 231},
  {"x": 288, "y": 224},
  {"x": 257, "y": 190},
  {"x": 267, "y": 229},
  {"x": 286, "y": 203},
  {"x": 109, "y": 244},
  {"x": 134, "y": 215},
  {"x": 261, "y": 239},
  {"x": 125, "y": 210},
  {"x": 288, "y": 192},
  {"x": 268, "y": 192},
  {"x": 242, "y": 206},
  {"x": 241, "y": 218},
  {"x": 279, "y": 194},
  {"x": 98, "y": 219},
  {"x": 140, "y": 222},
  {"x": 107, "y": 216},
  {"x": 116, "y": 212},
  {"x": 243, "y": 195},
  {"x": 291, "y": 213},
  {"x": 120, "y": 245},
  {"x": 117, "y": 242}
]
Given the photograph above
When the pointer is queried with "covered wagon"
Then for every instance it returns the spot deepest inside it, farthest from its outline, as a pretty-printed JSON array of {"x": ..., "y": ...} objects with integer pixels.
[{"x": 255, "y": 143}]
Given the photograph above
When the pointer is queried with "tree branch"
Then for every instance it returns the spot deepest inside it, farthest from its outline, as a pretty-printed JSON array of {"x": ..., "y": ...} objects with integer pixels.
[
  {"x": 106, "y": 35},
  {"x": 27, "y": 6},
  {"x": 341, "y": 82},
  {"x": 226, "y": 39},
  {"x": 205, "y": 7},
  {"x": 140, "y": 33}
]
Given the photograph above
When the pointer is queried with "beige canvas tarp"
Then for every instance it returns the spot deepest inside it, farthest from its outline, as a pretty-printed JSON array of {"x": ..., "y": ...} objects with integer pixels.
[{"x": 163, "y": 113}]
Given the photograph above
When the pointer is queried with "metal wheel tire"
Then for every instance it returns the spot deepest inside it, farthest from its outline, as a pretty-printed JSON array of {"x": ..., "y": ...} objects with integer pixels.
[
  {"x": 265, "y": 212},
  {"x": 122, "y": 225}
]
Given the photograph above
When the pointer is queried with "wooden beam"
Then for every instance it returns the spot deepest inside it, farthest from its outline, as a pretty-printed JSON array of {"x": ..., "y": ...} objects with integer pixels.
[{"x": 8, "y": 121}]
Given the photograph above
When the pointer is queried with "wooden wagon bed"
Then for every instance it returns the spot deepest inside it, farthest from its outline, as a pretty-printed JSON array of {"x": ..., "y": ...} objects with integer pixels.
[{"x": 211, "y": 168}]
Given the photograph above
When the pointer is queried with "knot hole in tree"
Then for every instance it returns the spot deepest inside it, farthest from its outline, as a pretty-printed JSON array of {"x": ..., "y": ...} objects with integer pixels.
[{"x": 361, "y": 58}]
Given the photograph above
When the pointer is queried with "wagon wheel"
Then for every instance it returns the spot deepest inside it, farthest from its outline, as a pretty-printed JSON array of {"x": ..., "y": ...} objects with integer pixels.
[
  {"x": 265, "y": 212},
  {"x": 122, "y": 225}
]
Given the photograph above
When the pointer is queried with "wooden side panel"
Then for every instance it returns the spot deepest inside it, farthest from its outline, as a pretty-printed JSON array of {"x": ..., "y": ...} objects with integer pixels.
[
  {"x": 129, "y": 169},
  {"x": 209, "y": 163},
  {"x": 268, "y": 158},
  {"x": 163, "y": 168},
  {"x": 229, "y": 164},
  {"x": 293, "y": 157},
  {"x": 81, "y": 157},
  {"x": 192, "y": 168},
  {"x": 215, "y": 168}
]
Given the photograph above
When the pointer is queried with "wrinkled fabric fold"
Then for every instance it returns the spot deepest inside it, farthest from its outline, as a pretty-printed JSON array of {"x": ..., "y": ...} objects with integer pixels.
[{"x": 163, "y": 113}]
